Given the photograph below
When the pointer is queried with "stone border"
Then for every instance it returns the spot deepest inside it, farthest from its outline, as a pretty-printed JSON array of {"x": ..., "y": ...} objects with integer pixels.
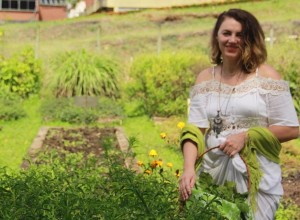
[{"x": 41, "y": 135}]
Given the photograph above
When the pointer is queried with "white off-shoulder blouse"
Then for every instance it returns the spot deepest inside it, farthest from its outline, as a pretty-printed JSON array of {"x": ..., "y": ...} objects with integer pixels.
[{"x": 257, "y": 101}]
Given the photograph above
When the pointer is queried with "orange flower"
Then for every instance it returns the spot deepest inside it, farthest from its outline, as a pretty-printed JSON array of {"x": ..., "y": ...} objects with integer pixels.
[
  {"x": 140, "y": 163},
  {"x": 159, "y": 163},
  {"x": 148, "y": 171},
  {"x": 153, "y": 164}
]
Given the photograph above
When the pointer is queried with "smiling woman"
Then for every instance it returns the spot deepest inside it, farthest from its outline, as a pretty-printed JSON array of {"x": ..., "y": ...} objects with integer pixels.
[{"x": 242, "y": 106}]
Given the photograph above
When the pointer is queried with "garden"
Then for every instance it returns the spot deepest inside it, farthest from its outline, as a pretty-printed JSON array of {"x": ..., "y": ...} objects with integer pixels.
[{"x": 75, "y": 86}]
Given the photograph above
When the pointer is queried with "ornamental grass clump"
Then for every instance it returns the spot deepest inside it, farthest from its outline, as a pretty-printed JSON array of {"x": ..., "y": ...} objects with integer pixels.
[{"x": 79, "y": 73}]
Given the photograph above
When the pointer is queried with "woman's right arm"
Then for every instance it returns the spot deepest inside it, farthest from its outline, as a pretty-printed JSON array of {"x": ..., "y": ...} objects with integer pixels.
[
  {"x": 190, "y": 149},
  {"x": 188, "y": 177}
]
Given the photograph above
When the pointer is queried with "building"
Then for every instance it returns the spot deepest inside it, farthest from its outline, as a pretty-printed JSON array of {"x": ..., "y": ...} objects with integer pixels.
[{"x": 44, "y": 10}]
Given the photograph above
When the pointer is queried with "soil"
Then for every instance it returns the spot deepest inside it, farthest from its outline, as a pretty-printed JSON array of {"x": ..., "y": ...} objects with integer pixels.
[
  {"x": 92, "y": 140},
  {"x": 80, "y": 140},
  {"x": 291, "y": 187}
]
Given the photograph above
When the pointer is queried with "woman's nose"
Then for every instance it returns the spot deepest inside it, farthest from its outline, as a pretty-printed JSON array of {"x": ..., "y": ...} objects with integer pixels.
[{"x": 233, "y": 39}]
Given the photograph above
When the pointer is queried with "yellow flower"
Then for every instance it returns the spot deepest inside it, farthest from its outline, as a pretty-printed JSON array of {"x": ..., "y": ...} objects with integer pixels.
[
  {"x": 163, "y": 135},
  {"x": 153, "y": 153},
  {"x": 177, "y": 174},
  {"x": 159, "y": 163},
  {"x": 169, "y": 165},
  {"x": 140, "y": 163},
  {"x": 148, "y": 171},
  {"x": 181, "y": 125}
]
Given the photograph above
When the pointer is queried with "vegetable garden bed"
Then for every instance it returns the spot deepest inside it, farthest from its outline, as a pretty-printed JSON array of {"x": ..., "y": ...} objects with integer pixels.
[{"x": 85, "y": 140}]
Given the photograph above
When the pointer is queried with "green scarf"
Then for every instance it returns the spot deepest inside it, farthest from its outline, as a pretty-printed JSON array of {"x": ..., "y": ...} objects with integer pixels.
[{"x": 259, "y": 139}]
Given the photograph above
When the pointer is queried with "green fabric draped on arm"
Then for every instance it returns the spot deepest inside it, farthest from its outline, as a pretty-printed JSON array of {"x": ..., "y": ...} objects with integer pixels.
[
  {"x": 261, "y": 140},
  {"x": 192, "y": 133}
]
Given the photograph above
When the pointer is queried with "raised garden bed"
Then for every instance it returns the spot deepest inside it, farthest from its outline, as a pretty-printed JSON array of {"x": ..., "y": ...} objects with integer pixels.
[{"x": 85, "y": 140}]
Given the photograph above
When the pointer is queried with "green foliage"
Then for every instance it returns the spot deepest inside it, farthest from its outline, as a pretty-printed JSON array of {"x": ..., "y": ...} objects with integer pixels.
[
  {"x": 291, "y": 74},
  {"x": 288, "y": 210},
  {"x": 21, "y": 73},
  {"x": 222, "y": 202},
  {"x": 79, "y": 73},
  {"x": 160, "y": 83},
  {"x": 65, "y": 110},
  {"x": 10, "y": 106},
  {"x": 76, "y": 188}
]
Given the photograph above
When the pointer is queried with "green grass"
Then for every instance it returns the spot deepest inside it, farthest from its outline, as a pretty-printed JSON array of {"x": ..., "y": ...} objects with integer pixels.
[
  {"x": 17, "y": 136},
  {"x": 148, "y": 138}
]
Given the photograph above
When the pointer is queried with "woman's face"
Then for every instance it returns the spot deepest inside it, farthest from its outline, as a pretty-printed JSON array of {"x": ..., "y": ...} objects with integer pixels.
[{"x": 230, "y": 39}]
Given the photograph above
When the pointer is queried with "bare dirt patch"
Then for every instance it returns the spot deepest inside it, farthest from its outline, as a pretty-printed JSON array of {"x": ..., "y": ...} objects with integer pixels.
[{"x": 291, "y": 187}]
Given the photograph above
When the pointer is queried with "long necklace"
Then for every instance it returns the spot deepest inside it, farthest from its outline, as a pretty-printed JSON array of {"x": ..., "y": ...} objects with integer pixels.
[{"x": 218, "y": 121}]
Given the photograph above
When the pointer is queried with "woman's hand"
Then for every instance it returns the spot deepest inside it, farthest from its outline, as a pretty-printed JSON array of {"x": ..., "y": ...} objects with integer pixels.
[
  {"x": 233, "y": 144},
  {"x": 186, "y": 183}
]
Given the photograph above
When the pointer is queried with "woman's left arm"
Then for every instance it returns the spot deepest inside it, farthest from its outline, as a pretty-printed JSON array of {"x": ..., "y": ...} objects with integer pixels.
[{"x": 284, "y": 133}]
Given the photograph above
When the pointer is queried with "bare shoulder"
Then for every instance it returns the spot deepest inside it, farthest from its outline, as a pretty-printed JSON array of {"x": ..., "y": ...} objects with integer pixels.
[
  {"x": 268, "y": 71},
  {"x": 204, "y": 75}
]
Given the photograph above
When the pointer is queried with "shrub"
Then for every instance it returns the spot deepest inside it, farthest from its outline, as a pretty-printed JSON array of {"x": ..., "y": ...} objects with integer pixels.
[
  {"x": 160, "y": 83},
  {"x": 65, "y": 109},
  {"x": 84, "y": 74},
  {"x": 21, "y": 73},
  {"x": 10, "y": 106},
  {"x": 74, "y": 188},
  {"x": 292, "y": 75}
]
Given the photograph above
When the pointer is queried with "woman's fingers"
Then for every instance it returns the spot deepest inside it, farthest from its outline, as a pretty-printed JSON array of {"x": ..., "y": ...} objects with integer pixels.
[
  {"x": 233, "y": 144},
  {"x": 186, "y": 184}
]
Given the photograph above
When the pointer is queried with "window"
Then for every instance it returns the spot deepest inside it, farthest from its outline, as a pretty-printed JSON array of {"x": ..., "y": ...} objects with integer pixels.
[
  {"x": 23, "y": 5},
  {"x": 52, "y": 2}
]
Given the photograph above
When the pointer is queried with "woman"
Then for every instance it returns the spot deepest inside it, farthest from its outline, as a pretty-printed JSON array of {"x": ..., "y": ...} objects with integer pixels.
[{"x": 239, "y": 98}]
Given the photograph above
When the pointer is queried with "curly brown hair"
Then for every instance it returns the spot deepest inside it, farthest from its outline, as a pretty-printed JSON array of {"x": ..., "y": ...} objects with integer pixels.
[{"x": 254, "y": 51}]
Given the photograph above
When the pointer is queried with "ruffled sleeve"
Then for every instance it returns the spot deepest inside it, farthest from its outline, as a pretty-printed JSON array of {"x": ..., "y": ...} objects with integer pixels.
[
  {"x": 281, "y": 110},
  {"x": 197, "y": 109}
]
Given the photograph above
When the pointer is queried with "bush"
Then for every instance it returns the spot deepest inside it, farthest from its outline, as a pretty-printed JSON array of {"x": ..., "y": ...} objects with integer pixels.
[
  {"x": 161, "y": 83},
  {"x": 77, "y": 188},
  {"x": 292, "y": 75},
  {"x": 21, "y": 73},
  {"x": 10, "y": 106},
  {"x": 65, "y": 109},
  {"x": 84, "y": 74}
]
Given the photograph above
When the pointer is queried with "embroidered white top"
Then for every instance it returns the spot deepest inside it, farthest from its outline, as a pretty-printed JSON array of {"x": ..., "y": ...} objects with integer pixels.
[{"x": 257, "y": 101}]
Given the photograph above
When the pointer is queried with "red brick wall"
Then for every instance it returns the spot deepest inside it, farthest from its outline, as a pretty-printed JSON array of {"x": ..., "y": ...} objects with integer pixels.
[
  {"x": 48, "y": 13},
  {"x": 18, "y": 16},
  {"x": 89, "y": 2}
]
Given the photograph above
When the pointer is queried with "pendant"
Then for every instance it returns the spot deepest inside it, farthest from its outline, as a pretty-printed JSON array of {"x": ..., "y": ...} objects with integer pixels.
[{"x": 217, "y": 124}]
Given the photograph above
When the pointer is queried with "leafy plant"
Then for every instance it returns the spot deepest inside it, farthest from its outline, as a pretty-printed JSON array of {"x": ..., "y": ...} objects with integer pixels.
[
  {"x": 21, "y": 73},
  {"x": 10, "y": 106},
  {"x": 84, "y": 74},
  {"x": 292, "y": 75},
  {"x": 161, "y": 83},
  {"x": 222, "y": 202},
  {"x": 64, "y": 109}
]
